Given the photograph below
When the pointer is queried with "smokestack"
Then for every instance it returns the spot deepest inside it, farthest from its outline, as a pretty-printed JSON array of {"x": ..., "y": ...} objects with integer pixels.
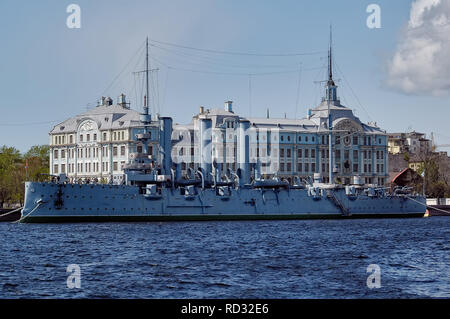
[
  {"x": 206, "y": 147},
  {"x": 243, "y": 152},
  {"x": 202, "y": 110},
  {"x": 165, "y": 144}
]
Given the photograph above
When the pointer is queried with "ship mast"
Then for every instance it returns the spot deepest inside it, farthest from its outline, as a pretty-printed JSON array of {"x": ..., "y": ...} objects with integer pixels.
[
  {"x": 330, "y": 123},
  {"x": 146, "y": 100},
  {"x": 145, "y": 116}
]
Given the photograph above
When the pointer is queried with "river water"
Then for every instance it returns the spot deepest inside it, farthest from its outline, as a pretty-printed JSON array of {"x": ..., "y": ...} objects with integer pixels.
[{"x": 237, "y": 259}]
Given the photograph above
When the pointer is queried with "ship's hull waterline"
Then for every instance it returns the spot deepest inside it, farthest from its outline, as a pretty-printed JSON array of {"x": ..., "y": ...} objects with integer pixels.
[{"x": 52, "y": 203}]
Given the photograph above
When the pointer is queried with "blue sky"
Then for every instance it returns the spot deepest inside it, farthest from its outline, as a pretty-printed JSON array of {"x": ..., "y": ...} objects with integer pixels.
[{"x": 50, "y": 72}]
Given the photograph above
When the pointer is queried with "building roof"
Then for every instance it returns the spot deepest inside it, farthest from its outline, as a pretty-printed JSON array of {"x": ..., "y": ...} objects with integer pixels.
[{"x": 106, "y": 116}]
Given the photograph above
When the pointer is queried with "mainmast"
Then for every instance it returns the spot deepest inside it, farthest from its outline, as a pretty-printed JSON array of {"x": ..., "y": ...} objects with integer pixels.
[
  {"x": 146, "y": 100},
  {"x": 145, "y": 116},
  {"x": 330, "y": 121}
]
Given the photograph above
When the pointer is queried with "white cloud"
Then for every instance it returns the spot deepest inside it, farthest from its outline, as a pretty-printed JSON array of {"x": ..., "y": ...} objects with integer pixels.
[{"x": 421, "y": 62}]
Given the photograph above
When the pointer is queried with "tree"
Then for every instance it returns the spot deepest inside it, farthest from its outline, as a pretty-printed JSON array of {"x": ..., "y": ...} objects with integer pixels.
[
  {"x": 10, "y": 160},
  {"x": 15, "y": 169},
  {"x": 38, "y": 161},
  {"x": 435, "y": 177}
]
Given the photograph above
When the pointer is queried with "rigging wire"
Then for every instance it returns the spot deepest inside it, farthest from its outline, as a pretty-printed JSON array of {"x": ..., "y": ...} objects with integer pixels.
[
  {"x": 123, "y": 70},
  {"x": 231, "y": 73},
  {"x": 215, "y": 61},
  {"x": 231, "y": 52},
  {"x": 353, "y": 92},
  {"x": 30, "y": 123},
  {"x": 298, "y": 90},
  {"x": 165, "y": 88}
]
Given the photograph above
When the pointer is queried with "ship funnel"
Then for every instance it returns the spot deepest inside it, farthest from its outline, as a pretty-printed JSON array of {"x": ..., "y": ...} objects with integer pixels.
[
  {"x": 243, "y": 152},
  {"x": 205, "y": 147},
  {"x": 165, "y": 144}
]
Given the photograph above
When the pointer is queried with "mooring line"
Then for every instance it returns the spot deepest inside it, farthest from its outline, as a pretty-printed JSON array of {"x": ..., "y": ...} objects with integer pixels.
[
  {"x": 427, "y": 206},
  {"x": 11, "y": 212},
  {"x": 22, "y": 218}
]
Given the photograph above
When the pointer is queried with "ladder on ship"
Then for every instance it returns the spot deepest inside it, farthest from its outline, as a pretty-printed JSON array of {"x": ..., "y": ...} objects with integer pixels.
[{"x": 338, "y": 204}]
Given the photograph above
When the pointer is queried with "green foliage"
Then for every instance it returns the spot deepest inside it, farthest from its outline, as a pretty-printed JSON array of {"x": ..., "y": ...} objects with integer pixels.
[
  {"x": 13, "y": 171},
  {"x": 435, "y": 184}
]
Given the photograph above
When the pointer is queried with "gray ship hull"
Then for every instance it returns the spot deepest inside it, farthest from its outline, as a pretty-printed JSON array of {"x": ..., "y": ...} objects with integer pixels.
[{"x": 51, "y": 202}]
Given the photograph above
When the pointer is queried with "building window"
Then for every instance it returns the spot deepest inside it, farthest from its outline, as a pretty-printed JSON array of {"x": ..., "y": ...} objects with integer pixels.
[
  {"x": 115, "y": 151},
  {"x": 313, "y": 153},
  {"x": 81, "y": 138},
  {"x": 139, "y": 149},
  {"x": 288, "y": 152},
  {"x": 71, "y": 139},
  {"x": 55, "y": 154},
  {"x": 122, "y": 164},
  {"x": 114, "y": 136},
  {"x": 289, "y": 168},
  {"x": 281, "y": 167},
  {"x": 299, "y": 153},
  {"x": 299, "y": 167},
  {"x": 88, "y": 137},
  {"x": 55, "y": 169},
  {"x": 95, "y": 137},
  {"x": 63, "y": 154},
  {"x": 355, "y": 155},
  {"x": 122, "y": 150},
  {"x": 307, "y": 167},
  {"x": 281, "y": 152},
  {"x": 123, "y": 135},
  {"x": 115, "y": 166},
  {"x": 150, "y": 150},
  {"x": 355, "y": 168},
  {"x": 104, "y": 136},
  {"x": 313, "y": 167}
]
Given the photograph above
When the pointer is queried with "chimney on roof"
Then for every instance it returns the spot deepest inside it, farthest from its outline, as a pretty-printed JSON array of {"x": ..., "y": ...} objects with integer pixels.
[
  {"x": 109, "y": 101},
  {"x": 229, "y": 106},
  {"x": 101, "y": 101},
  {"x": 122, "y": 101},
  {"x": 202, "y": 109}
]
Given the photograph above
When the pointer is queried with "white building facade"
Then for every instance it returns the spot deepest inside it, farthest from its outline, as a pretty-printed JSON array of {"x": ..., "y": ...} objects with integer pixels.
[{"x": 94, "y": 146}]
